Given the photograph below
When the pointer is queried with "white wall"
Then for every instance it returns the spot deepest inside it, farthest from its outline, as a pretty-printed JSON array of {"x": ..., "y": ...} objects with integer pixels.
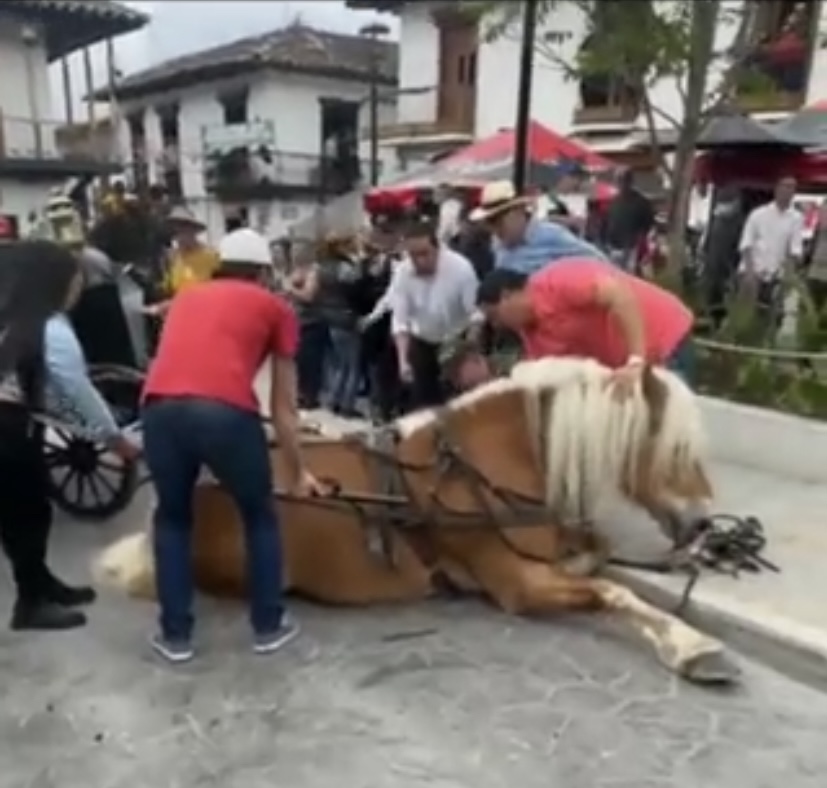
[
  {"x": 20, "y": 198},
  {"x": 17, "y": 92},
  {"x": 554, "y": 99},
  {"x": 418, "y": 65}
]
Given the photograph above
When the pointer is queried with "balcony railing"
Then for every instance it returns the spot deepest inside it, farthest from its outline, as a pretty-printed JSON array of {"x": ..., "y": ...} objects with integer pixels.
[
  {"x": 420, "y": 130},
  {"x": 25, "y": 139},
  {"x": 609, "y": 114},
  {"x": 771, "y": 101},
  {"x": 243, "y": 170}
]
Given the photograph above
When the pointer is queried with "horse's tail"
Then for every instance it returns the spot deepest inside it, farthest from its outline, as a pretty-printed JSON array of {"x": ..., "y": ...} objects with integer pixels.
[{"x": 128, "y": 566}]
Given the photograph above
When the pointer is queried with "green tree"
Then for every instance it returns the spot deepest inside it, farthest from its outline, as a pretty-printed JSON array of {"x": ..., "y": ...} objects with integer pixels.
[{"x": 643, "y": 44}]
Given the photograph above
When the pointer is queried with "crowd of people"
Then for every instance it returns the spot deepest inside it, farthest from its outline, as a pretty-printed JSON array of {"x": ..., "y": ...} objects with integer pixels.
[{"x": 400, "y": 313}]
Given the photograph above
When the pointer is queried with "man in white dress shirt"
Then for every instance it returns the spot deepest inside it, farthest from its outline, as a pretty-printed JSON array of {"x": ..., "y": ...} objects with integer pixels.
[
  {"x": 773, "y": 236},
  {"x": 771, "y": 243},
  {"x": 433, "y": 297}
]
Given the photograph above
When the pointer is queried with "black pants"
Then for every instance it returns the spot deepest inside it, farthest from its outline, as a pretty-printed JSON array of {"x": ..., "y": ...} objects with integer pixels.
[
  {"x": 25, "y": 505},
  {"x": 426, "y": 389},
  {"x": 313, "y": 344}
]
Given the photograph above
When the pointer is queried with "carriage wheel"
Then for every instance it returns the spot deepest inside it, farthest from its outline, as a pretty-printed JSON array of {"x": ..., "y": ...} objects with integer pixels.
[{"x": 85, "y": 479}]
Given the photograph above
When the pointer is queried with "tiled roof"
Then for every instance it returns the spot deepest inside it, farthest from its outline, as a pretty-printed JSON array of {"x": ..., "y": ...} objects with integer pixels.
[
  {"x": 74, "y": 24},
  {"x": 102, "y": 8},
  {"x": 295, "y": 48}
]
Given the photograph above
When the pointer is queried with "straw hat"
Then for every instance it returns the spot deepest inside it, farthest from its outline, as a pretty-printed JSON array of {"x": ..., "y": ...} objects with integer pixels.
[
  {"x": 180, "y": 214},
  {"x": 497, "y": 197}
]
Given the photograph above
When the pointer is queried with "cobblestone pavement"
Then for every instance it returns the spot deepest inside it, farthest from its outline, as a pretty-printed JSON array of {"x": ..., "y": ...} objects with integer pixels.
[{"x": 448, "y": 695}]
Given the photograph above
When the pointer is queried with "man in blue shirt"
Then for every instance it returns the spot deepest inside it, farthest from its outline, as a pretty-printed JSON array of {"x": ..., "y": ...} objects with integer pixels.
[{"x": 522, "y": 243}]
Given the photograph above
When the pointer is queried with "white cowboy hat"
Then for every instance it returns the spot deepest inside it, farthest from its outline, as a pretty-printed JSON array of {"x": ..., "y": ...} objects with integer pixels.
[
  {"x": 496, "y": 198},
  {"x": 180, "y": 214},
  {"x": 245, "y": 246}
]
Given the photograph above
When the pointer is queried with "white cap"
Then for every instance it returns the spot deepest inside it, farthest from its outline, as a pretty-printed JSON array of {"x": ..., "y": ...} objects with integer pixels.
[{"x": 245, "y": 246}]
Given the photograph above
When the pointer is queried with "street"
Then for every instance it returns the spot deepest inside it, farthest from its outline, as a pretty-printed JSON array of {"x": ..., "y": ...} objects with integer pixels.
[{"x": 445, "y": 694}]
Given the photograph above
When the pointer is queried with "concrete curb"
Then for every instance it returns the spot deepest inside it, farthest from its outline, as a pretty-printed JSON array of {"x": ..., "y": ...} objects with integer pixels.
[
  {"x": 791, "y": 648},
  {"x": 765, "y": 440}
]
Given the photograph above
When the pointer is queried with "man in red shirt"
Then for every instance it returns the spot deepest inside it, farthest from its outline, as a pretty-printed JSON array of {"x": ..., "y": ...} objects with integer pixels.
[
  {"x": 200, "y": 409},
  {"x": 587, "y": 308}
]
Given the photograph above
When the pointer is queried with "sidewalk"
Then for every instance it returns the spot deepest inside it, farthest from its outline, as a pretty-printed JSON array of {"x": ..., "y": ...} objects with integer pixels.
[{"x": 778, "y": 618}]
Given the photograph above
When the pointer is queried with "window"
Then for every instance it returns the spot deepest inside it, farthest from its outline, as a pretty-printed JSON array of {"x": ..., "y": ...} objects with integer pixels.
[
  {"x": 235, "y": 107},
  {"x": 168, "y": 117}
]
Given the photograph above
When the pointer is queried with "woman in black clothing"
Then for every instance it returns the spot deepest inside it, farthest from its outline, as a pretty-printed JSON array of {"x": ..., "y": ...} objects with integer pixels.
[{"x": 38, "y": 282}]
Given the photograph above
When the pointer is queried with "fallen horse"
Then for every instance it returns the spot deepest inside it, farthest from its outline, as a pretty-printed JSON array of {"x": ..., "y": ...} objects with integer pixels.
[{"x": 462, "y": 496}]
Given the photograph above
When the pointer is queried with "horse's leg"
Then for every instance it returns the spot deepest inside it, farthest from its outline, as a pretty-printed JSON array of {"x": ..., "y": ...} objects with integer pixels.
[
  {"x": 678, "y": 646},
  {"x": 523, "y": 586},
  {"x": 520, "y": 585}
]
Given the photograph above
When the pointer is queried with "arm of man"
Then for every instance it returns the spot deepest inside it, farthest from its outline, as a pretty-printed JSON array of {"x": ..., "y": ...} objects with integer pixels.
[
  {"x": 469, "y": 284},
  {"x": 385, "y": 302},
  {"x": 401, "y": 315},
  {"x": 747, "y": 244},
  {"x": 594, "y": 288},
  {"x": 796, "y": 251},
  {"x": 614, "y": 295},
  {"x": 284, "y": 412}
]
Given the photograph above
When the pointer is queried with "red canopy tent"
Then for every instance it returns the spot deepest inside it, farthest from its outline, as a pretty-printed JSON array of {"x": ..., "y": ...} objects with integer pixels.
[{"x": 488, "y": 160}]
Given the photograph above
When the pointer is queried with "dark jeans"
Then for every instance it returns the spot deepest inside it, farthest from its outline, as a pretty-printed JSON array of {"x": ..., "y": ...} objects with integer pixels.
[
  {"x": 426, "y": 389},
  {"x": 682, "y": 360},
  {"x": 342, "y": 368},
  {"x": 25, "y": 504},
  {"x": 314, "y": 341},
  {"x": 180, "y": 436}
]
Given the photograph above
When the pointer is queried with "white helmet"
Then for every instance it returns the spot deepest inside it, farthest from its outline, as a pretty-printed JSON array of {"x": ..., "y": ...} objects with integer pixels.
[{"x": 245, "y": 246}]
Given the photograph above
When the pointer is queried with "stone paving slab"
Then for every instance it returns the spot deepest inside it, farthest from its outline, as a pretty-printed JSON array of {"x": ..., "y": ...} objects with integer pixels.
[{"x": 448, "y": 695}]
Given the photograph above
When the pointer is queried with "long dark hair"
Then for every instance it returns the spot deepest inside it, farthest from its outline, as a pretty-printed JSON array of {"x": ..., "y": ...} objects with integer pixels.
[{"x": 35, "y": 277}]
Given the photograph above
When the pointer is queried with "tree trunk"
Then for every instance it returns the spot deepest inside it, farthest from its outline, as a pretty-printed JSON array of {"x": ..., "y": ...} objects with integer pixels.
[{"x": 704, "y": 20}]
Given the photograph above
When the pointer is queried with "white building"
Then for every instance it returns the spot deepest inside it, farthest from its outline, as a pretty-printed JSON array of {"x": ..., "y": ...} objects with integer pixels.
[
  {"x": 456, "y": 86},
  {"x": 267, "y": 127},
  {"x": 34, "y": 34}
]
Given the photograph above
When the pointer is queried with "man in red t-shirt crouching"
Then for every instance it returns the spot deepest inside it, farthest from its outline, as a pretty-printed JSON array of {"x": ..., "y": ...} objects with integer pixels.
[
  {"x": 587, "y": 308},
  {"x": 201, "y": 409}
]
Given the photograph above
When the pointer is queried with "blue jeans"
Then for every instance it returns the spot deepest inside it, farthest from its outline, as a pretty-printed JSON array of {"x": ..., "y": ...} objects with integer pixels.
[
  {"x": 343, "y": 368},
  {"x": 180, "y": 436}
]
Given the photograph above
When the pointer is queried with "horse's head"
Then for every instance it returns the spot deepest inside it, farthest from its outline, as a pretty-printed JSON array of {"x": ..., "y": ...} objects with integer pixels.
[
  {"x": 671, "y": 472},
  {"x": 479, "y": 441}
]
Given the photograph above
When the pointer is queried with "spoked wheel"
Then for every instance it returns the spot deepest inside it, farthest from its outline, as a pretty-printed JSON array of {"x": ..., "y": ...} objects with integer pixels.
[{"x": 85, "y": 479}]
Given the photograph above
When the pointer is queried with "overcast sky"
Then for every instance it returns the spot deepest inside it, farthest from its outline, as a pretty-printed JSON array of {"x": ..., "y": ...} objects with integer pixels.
[{"x": 181, "y": 26}]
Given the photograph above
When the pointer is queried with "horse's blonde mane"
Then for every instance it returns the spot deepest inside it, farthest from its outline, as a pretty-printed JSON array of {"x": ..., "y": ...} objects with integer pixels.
[{"x": 592, "y": 441}]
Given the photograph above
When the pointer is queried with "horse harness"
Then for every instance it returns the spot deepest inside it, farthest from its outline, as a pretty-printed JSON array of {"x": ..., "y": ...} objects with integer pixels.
[
  {"x": 724, "y": 543},
  {"x": 397, "y": 508}
]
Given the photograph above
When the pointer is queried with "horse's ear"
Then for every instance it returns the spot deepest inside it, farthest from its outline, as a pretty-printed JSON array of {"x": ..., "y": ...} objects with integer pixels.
[{"x": 655, "y": 393}]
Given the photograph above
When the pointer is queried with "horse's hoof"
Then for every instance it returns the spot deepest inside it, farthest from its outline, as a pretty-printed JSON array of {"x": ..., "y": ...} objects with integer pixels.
[{"x": 712, "y": 667}]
